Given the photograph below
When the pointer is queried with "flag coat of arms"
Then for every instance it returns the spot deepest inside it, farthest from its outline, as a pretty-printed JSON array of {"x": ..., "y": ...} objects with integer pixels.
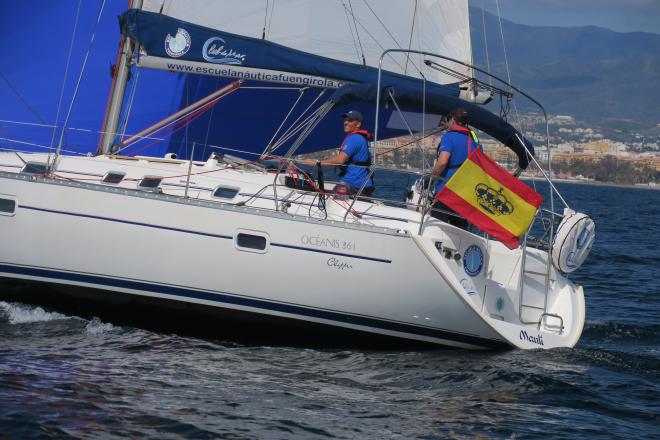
[{"x": 492, "y": 199}]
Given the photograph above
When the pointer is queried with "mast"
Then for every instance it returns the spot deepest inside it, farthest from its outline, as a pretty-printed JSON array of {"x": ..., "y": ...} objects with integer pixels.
[{"x": 111, "y": 118}]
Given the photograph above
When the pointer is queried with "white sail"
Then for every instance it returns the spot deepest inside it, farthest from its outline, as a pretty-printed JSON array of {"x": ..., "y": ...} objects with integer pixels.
[{"x": 345, "y": 30}]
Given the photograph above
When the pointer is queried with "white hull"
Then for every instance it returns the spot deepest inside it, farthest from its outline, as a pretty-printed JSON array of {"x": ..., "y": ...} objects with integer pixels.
[{"x": 372, "y": 274}]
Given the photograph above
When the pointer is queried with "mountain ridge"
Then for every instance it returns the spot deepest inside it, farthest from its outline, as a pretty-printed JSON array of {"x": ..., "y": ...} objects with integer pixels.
[{"x": 589, "y": 72}]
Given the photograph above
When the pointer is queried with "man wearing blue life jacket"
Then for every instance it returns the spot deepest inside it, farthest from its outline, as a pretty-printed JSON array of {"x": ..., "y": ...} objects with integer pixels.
[
  {"x": 354, "y": 157},
  {"x": 455, "y": 147}
]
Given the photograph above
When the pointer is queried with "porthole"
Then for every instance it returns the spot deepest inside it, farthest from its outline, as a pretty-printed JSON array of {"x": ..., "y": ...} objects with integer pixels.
[
  {"x": 252, "y": 241},
  {"x": 7, "y": 206},
  {"x": 113, "y": 177}
]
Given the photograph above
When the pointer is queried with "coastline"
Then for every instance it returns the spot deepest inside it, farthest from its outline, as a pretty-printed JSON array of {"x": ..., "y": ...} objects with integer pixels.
[
  {"x": 593, "y": 182},
  {"x": 561, "y": 180}
]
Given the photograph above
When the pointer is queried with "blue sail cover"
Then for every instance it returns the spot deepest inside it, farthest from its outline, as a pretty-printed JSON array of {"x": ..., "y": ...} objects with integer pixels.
[
  {"x": 242, "y": 120},
  {"x": 209, "y": 50},
  {"x": 260, "y": 60}
]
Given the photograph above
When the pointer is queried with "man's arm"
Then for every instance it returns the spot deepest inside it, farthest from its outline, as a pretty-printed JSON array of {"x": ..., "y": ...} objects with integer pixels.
[
  {"x": 440, "y": 164},
  {"x": 338, "y": 159}
]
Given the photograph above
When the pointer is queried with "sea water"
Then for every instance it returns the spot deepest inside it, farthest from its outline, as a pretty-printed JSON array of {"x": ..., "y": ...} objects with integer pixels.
[{"x": 63, "y": 376}]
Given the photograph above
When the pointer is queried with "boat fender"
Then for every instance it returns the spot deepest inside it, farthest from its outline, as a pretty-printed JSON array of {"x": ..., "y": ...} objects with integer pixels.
[{"x": 573, "y": 240}]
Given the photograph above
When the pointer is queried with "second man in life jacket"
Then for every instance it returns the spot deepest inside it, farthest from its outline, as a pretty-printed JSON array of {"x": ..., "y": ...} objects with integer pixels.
[
  {"x": 455, "y": 147},
  {"x": 354, "y": 157}
]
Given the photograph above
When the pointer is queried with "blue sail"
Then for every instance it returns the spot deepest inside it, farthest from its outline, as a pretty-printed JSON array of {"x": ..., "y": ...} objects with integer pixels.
[
  {"x": 37, "y": 36},
  {"x": 244, "y": 122}
]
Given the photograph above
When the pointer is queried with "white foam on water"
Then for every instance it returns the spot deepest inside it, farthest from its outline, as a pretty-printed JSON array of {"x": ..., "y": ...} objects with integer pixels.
[
  {"x": 21, "y": 314},
  {"x": 96, "y": 327}
]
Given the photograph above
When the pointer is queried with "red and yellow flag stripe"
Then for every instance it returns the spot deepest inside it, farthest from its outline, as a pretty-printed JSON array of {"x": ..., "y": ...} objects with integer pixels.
[{"x": 492, "y": 199}]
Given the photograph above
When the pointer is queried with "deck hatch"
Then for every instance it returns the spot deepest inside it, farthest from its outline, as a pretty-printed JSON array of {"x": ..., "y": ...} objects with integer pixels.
[
  {"x": 113, "y": 177},
  {"x": 150, "y": 182},
  {"x": 225, "y": 192},
  {"x": 35, "y": 168}
]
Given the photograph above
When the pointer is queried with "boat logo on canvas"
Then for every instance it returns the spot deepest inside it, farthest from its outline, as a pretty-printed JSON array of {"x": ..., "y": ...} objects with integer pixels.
[
  {"x": 178, "y": 45},
  {"x": 473, "y": 260},
  {"x": 214, "y": 51},
  {"x": 533, "y": 339}
]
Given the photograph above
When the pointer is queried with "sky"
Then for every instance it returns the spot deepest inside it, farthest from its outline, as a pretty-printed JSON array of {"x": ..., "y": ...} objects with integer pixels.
[{"x": 617, "y": 15}]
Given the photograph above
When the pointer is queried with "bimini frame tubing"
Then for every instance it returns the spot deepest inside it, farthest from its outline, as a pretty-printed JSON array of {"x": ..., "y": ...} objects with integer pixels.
[{"x": 548, "y": 176}]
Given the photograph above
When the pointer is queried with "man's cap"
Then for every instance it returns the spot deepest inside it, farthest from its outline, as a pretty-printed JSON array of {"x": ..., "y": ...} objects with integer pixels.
[{"x": 354, "y": 115}]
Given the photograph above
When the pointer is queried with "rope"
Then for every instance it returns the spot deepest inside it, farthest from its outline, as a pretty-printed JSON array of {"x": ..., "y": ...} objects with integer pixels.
[
  {"x": 506, "y": 63},
  {"x": 131, "y": 179},
  {"x": 36, "y": 145},
  {"x": 294, "y": 129},
  {"x": 131, "y": 99},
  {"x": 350, "y": 28},
  {"x": 183, "y": 122},
  {"x": 388, "y": 33},
  {"x": 483, "y": 21},
  {"x": 323, "y": 193},
  {"x": 409, "y": 143},
  {"x": 270, "y": 142},
  {"x": 412, "y": 29},
  {"x": 270, "y": 19},
  {"x": 313, "y": 122},
  {"x": 23, "y": 100},
  {"x": 195, "y": 112},
  {"x": 364, "y": 60},
  {"x": 82, "y": 71},
  {"x": 66, "y": 73},
  {"x": 208, "y": 127},
  {"x": 263, "y": 32}
]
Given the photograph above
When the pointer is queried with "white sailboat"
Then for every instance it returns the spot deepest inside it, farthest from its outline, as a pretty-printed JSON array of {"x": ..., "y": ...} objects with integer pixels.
[{"x": 208, "y": 234}]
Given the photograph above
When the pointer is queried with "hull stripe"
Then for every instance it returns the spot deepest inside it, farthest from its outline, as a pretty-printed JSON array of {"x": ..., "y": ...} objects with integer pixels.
[
  {"x": 204, "y": 234},
  {"x": 265, "y": 305}
]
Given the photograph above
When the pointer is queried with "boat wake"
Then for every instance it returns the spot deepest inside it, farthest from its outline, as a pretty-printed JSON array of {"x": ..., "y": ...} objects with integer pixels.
[
  {"x": 97, "y": 327},
  {"x": 22, "y": 314},
  {"x": 16, "y": 313}
]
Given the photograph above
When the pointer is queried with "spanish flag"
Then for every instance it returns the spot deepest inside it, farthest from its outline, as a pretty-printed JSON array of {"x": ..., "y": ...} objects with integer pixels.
[{"x": 492, "y": 199}]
